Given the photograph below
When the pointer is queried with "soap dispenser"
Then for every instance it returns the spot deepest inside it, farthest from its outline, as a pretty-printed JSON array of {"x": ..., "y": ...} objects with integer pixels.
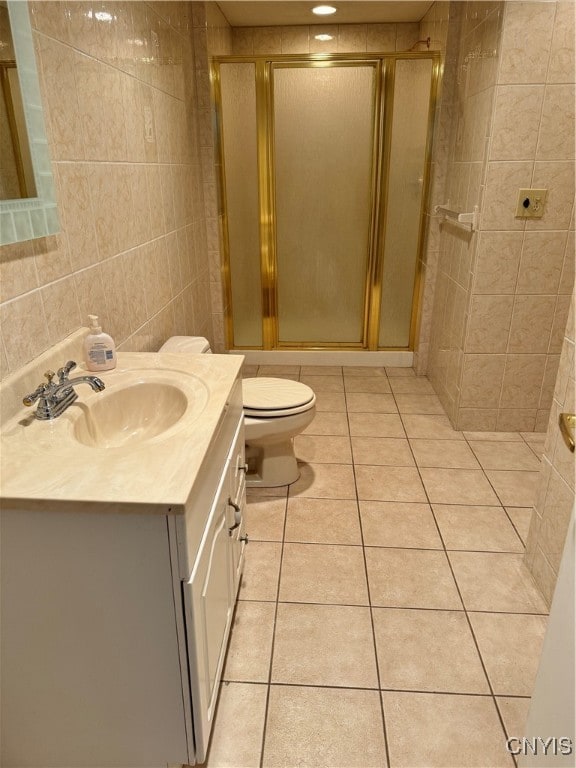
[{"x": 99, "y": 348}]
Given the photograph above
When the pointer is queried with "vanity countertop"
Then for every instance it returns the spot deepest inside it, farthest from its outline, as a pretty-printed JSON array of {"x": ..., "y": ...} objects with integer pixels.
[{"x": 44, "y": 465}]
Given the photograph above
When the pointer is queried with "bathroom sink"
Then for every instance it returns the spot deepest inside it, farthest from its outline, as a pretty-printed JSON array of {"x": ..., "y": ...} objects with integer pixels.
[
  {"x": 139, "y": 444},
  {"x": 135, "y": 413}
]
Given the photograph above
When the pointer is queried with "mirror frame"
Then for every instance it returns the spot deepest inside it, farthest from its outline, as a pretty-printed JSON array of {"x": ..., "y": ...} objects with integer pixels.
[{"x": 32, "y": 217}]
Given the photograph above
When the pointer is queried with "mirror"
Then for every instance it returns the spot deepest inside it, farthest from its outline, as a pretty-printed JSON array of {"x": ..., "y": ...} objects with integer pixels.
[
  {"x": 27, "y": 197},
  {"x": 16, "y": 172}
]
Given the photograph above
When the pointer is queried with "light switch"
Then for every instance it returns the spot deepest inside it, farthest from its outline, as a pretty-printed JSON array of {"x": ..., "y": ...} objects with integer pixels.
[
  {"x": 531, "y": 203},
  {"x": 148, "y": 124}
]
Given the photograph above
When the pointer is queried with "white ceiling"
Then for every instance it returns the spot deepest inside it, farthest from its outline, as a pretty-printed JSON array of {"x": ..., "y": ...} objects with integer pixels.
[{"x": 263, "y": 13}]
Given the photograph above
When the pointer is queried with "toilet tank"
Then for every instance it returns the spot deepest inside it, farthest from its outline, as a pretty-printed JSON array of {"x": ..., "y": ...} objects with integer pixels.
[{"x": 187, "y": 344}]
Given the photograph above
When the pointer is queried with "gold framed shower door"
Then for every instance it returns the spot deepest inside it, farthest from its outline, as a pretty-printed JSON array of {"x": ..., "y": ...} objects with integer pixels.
[{"x": 383, "y": 108}]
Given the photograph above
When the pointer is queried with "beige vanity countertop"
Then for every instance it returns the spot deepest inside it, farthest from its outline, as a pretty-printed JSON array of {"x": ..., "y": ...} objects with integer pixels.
[{"x": 43, "y": 466}]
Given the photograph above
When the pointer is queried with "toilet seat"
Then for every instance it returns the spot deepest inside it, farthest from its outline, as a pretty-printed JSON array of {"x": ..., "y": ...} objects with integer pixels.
[
  {"x": 268, "y": 398},
  {"x": 275, "y": 412}
]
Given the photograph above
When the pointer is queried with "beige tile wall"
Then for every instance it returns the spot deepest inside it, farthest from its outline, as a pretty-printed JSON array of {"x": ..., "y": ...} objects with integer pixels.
[
  {"x": 531, "y": 144},
  {"x": 346, "y": 38},
  {"x": 555, "y": 499},
  {"x": 119, "y": 94},
  {"x": 462, "y": 125},
  {"x": 502, "y": 294}
]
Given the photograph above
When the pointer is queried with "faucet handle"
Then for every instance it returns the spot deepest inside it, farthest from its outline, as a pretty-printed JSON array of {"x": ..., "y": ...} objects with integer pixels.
[
  {"x": 65, "y": 370},
  {"x": 33, "y": 396},
  {"x": 41, "y": 390}
]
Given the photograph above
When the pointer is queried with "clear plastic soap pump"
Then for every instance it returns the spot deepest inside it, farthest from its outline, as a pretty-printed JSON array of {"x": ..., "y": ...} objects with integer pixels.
[{"x": 99, "y": 348}]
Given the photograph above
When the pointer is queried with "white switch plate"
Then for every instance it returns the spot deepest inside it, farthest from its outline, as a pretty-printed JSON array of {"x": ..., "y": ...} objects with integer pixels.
[
  {"x": 148, "y": 124},
  {"x": 536, "y": 201}
]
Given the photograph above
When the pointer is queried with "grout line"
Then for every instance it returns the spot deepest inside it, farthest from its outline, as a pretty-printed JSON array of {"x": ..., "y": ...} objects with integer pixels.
[
  {"x": 387, "y": 501},
  {"x": 276, "y": 602},
  {"x": 391, "y": 546},
  {"x": 513, "y": 524},
  {"x": 375, "y": 647},
  {"x": 466, "y": 612},
  {"x": 395, "y": 607},
  {"x": 284, "y": 684}
]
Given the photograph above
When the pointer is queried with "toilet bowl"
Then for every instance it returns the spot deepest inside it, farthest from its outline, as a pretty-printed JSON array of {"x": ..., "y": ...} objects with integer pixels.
[{"x": 275, "y": 411}]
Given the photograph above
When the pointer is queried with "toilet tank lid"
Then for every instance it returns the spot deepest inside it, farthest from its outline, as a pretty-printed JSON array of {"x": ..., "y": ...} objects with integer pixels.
[{"x": 187, "y": 344}]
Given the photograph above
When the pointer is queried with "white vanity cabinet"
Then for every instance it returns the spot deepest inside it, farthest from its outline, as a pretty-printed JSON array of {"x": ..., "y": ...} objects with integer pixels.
[{"x": 115, "y": 625}]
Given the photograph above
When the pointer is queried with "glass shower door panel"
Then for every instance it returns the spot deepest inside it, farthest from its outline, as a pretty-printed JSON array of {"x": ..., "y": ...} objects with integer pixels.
[
  {"x": 239, "y": 136},
  {"x": 412, "y": 87},
  {"x": 323, "y": 139}
]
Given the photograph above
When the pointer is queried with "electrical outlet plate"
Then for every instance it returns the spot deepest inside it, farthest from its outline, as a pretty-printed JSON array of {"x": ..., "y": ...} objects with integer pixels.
[{"x": 531, "y": 203}]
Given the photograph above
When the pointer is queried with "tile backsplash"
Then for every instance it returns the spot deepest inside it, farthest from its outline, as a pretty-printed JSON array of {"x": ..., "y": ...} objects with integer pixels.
[
  {"x": 120, "y": 85},
  {"x": 344, "y": 38}
]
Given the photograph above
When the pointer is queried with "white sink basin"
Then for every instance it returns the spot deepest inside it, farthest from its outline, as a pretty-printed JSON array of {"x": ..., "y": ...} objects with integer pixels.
[
  {"x": 132, "y": 414},
  {"x": 139, "y": 443}
]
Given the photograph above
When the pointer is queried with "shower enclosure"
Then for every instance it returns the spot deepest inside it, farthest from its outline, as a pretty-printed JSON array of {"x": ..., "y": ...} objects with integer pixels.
[{"x": 325, "y": 166}]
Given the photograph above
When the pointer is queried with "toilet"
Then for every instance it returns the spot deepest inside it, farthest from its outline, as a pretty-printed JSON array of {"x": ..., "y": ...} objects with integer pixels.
[{"x": 275, "y": 411}]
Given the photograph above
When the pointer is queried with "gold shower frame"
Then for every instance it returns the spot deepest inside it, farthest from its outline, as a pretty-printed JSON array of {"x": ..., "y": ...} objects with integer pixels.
[{"x": 385, "y": 66}]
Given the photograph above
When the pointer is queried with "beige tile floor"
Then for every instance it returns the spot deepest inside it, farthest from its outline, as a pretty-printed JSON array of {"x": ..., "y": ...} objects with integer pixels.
[{"x": 385, "y": 617}]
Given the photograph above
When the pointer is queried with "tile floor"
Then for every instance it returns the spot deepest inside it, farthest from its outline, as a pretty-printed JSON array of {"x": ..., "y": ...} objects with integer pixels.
[{"x": 385, "y": 617}]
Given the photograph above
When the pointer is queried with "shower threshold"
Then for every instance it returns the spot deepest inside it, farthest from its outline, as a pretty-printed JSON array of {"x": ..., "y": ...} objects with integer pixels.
[{"x": 391, "y": 358}]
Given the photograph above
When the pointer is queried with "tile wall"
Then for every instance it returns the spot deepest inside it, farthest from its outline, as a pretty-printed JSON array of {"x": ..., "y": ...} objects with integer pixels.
[
  {"x": 555, "y": 498},
  {"x": 502, "y": 294},
  {"x": 465, "y": 118},
  {"x": 119, "y": 92},
  {"x": 346, "y": 38}
]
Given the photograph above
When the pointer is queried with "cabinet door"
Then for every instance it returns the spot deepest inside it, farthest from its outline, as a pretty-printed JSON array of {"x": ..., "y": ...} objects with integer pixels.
[
  {"x": 238, "y": 539},
  {"x": 237, "y": 508},
  {"x": 209, "y": 604}
]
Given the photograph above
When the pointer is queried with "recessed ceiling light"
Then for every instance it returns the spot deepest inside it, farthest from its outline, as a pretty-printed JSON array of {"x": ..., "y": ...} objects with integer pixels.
[
  {"x": 323, "y": 38},
  {"x": 324, "y": 10}
]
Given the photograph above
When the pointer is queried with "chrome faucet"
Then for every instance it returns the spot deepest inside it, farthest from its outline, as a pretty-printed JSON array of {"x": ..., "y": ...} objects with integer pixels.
[{"x": 55, "y": 397}]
